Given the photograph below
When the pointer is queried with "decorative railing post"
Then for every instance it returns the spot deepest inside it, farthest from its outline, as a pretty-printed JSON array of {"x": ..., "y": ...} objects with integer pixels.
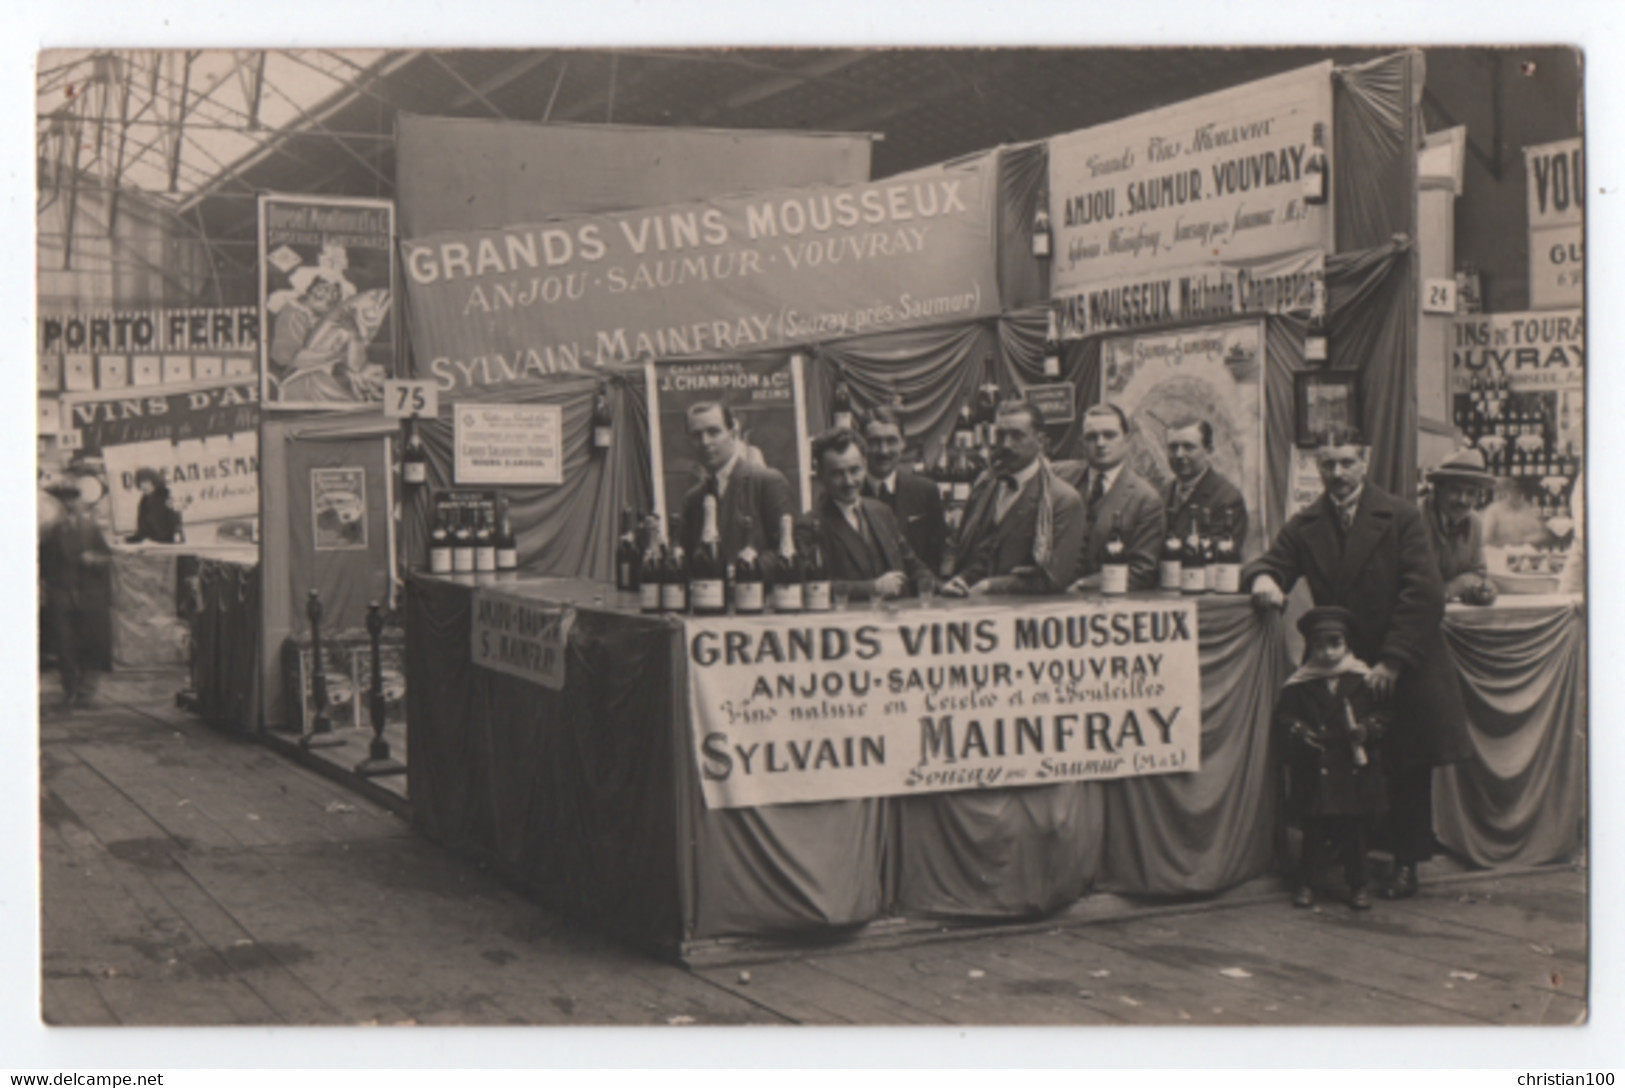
[
  {"x": 321, "y": 733},
  {"x": 378, "y": 762}
]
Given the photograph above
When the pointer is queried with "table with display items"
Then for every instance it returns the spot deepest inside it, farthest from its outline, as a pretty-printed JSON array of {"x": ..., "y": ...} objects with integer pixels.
[{"x": 589, "y": 797}]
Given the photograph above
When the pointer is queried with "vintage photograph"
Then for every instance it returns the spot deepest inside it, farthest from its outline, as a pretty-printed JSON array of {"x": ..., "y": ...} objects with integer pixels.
[{"x": 1067, "y": 537}]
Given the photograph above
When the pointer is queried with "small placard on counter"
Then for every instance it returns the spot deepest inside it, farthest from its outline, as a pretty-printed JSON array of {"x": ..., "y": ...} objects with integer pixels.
[{"x": 520, "y": 637}]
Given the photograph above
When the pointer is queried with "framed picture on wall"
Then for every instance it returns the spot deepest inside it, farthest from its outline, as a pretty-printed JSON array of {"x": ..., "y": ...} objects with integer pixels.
[{"x": 1324, "y": 400}]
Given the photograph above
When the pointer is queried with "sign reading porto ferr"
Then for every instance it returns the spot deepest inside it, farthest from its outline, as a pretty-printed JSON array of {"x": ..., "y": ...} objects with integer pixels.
[
  {"x": 872, "y": 704},
  {"x": 733, "y": 274},
  {"x": 1218, "y": 178}
]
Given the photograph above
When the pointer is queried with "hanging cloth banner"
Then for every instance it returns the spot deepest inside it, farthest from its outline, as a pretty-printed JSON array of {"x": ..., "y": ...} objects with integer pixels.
[
  {"x": 149, "y": 415},
  {"x": 1294, "y": 283},
  {"x": 875, "y": 705},
  {"x": 1216, "y": 178},
  {"x": 1555, "y": 178},
  {"x": 735, "y": 274}
]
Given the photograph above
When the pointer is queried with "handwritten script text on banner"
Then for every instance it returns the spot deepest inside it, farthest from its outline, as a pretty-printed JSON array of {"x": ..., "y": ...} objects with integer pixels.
[
  {"x": 873, "y": 704},
  {"x": 1215, "y": 178},
  {"x": 741, "y": 273}
]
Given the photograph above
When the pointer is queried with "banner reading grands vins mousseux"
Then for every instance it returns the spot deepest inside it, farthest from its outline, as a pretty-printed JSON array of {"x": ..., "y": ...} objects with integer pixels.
[{"x": 878, "y": 703}]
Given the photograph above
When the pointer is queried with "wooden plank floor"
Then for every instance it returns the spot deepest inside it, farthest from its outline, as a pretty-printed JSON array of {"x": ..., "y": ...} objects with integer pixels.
[{"x": 188, "y": 878}]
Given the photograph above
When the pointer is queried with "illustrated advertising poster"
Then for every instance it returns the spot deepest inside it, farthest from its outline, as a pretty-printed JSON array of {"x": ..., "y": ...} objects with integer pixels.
[
  {"x": 327, "y": 293},
  {"x": 338, "y": 507},
  {"x": 1212, "y": 373},
  {"x": 765, "y": 397}
]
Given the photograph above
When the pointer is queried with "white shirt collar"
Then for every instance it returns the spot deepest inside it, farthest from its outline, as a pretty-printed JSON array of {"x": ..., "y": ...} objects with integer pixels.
[
  {"x": 1109, "y": 476},
  {"x": 1026, "y": 474},
  {"x": 1350, "y": 504},
  {"x": 724, "y": 473},
  {"x": 1183, "y": 490},
  {"x": 889, "y": 483},
  {"x": 851, "y": 512}
]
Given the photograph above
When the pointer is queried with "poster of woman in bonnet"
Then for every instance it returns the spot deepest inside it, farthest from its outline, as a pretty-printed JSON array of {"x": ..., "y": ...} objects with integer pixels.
[{"x": 320, "y": 338}]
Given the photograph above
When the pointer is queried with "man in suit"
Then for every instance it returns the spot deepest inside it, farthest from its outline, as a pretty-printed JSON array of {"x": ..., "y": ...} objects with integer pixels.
[
  {"x": 864, "y": 549},
  {"x": 1023, "y": 525},
  {"x": 1362, "y": 549},
  {"x": 1197, "y": 485},
  {"x": 1116, "y": 495},
  {"x": 741, "y": 488},
  {"x": 913, "y": 499}
]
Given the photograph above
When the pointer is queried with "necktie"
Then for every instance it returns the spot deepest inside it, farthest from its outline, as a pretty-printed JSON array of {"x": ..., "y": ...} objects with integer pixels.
[
  {"x": 1009, "y": 483},
  {"x": 884, "y": 494},
  {"x": 1345, "y": 514},
  {"x": 1097, "y": 489}
]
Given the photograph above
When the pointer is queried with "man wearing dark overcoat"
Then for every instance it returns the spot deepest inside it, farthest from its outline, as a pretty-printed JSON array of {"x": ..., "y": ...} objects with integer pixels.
[
  {"x": 865, "y": 551},
  {"x": 1362, "y": 549},
  {"x": 914, "y": 499}
]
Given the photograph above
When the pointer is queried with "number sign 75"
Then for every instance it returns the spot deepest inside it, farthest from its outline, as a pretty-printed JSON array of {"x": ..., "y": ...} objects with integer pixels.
[{"x": 411, "y": 399}]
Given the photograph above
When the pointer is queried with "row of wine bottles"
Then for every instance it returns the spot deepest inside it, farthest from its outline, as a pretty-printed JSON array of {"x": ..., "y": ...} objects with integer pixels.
[
  {"x": 463, "y": 540},
  {"x": 708, "y": 583},
  {"x": 1206, "y": 560}
]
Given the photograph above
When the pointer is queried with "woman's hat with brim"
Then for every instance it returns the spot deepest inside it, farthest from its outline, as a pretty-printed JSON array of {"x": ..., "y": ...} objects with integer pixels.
[
  {"x": 1465, "y": 466},
  {"x": 1327, "y": 617}
]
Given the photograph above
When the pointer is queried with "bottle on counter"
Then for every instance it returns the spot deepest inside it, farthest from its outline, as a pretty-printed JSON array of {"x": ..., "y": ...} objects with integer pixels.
[
  {"x": 1193, "y": 570},
  {"x": 1227, "y": 559},
  {"x": 815, "y": 593},
  {"x": 462, "y": 543},
  {"x": 652, "y": 572},
  {"x": 841, "y": 416},
  {"x": 1114, "y": 566},
  {"x": 674, "y": 580},
  {"x": 1210, "y": 564},
  {"x": 485, "y": 543},
  {"x": 627, "y": 558},
  {"x": 1052, "y": 347},
  {"x": 603, "y": 419},
  {"x": 414, "y": 461},
  {"x": 964, "y": 432},
  {"x": 507, "y": 544},
  {"x": 748, "y": 587},
  {"x": 789, "y": 574},
  {"x": 1043, "y": 240},
  {"x": 707, "y": 590},
  {"x": 1170, "y": 564},
  {"x": 439, "y": 544},
  {"x": 1316, "y": 179}
]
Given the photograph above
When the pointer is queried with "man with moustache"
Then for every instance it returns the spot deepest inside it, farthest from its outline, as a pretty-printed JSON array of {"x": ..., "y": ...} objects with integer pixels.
[
  {"x": 1362, "y": 549},
  {"x": 913, "y": 499},
  {"x": 1197, "y": 485},
  {"x": 864, "y": 549},
  {"x": 1454, "y": 528},
  {"x": 741, "y": 487},
  {"x": 1023, "y": 524}
]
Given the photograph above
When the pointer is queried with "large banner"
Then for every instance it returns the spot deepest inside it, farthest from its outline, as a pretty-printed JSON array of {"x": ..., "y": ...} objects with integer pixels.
[
  {"x": 327, "y": 288},
  {"x": 1218, "y": 178},
  {"x": 235, "y": 328},
  {"x": 210, "y": 478},
  {"x": 734, "y": 274},
  {"x": 875, "y": 704},
  {"x": 1212, "y": 373},
  {"x": 1555, "y": 176},
  {"x": 1542, "y": 356},
  {"x": 765, "y": 397},
  {"x": 167, "y": 414}
]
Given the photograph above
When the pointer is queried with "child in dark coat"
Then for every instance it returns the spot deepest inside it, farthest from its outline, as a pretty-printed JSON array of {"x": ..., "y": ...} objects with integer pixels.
[{"x": 1328, "y": 726}]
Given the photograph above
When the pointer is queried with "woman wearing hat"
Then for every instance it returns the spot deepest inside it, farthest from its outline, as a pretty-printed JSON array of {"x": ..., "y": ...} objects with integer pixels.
[
  {"x": 1455, "y": 532},
  {"x": 156, "y": 518},
  {"x": 1328, "y": 723}
]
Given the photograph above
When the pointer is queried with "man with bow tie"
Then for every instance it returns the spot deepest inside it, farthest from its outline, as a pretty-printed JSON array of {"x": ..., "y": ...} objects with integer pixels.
[
  {"x": 1116, "y": 494},
  {"x": 1362, "y": 549},
  {"x": 1023, "y": 524},
  {"x": 913, "y": 500}
]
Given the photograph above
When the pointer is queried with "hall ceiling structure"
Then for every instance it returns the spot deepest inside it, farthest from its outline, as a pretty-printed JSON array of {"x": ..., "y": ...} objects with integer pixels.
[{"x": 197, "y": 134}]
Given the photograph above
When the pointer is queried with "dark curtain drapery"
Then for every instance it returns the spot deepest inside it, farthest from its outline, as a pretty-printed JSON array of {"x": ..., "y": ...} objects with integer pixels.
[
  {"x": 1521, "y": 800},
  {"x": 226, "y": 645}
]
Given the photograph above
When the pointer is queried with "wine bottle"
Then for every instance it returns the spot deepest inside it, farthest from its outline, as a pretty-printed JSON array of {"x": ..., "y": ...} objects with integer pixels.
[
  {"x": 961, "y": 473},
  {"x": 653, "y": 571},
  {"x": 603, "y": 420},
  {"x": 1043, "y": 242},
  {"x": 747, "y": 578},
  {"x": 674, "y": 581},
  {"x": 414, "y": 461},
  {"x": 964, "y": 432},
  {"x": 789, "y": 575},
  {"x": 706, "y": 592},
  {"x": 440, "y": 544},
  {"x": 1169, "y": 563},
  {"x": 1316, "y": 183},
  {"x": 507, "y": 544},
  {"x": 816, "y": 595},
  {"x": 986, "y": 408},
  {"x": 1227, "y": 559},
  {"x": 626, "y": 554},
  {"x": 840, "y": 415},
  {"x": 1210, "y": 566},
  {"x": 1052, "y": 347},
  {"x": 485, "y": 543},
  {"x": 1193, "y": 572},
  {"x": 462, "y": 543},
  {"x": 1114, "y": 565}
]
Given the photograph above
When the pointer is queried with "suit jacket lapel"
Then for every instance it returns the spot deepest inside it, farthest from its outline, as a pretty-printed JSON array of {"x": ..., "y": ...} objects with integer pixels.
[
  {"x": 885, "y": 543},
  {"x": 1115, "y": 498},
  {"x": 1370, "y": 523},
  {"x": 844, "y": 537}
]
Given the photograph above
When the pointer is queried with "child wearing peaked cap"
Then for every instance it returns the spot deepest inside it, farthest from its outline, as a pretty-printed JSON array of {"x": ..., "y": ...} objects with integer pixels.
[{"x": 1328, "y": 726}]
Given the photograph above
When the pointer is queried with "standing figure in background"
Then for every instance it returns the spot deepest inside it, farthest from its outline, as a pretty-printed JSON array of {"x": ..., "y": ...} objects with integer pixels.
[
  {"x": 73, "y": 560},
  {"x": 742, "y": 488},
  {"x": 1197, "y": 485},
  {"x": 1327, "y": 725},
  {"x": 1365, "y": 550},
  {"x": 914, "y": 500},
  {"x": 156, "y": 518},
  {"x": 1455, "y": 532},
  {"x": 1023, "y": 524},
  {"x": 1116, "y": 494}
]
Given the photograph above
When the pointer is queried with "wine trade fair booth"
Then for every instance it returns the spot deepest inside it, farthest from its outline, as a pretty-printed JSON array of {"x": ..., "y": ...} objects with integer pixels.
[{"x": 593, "y": 755}]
